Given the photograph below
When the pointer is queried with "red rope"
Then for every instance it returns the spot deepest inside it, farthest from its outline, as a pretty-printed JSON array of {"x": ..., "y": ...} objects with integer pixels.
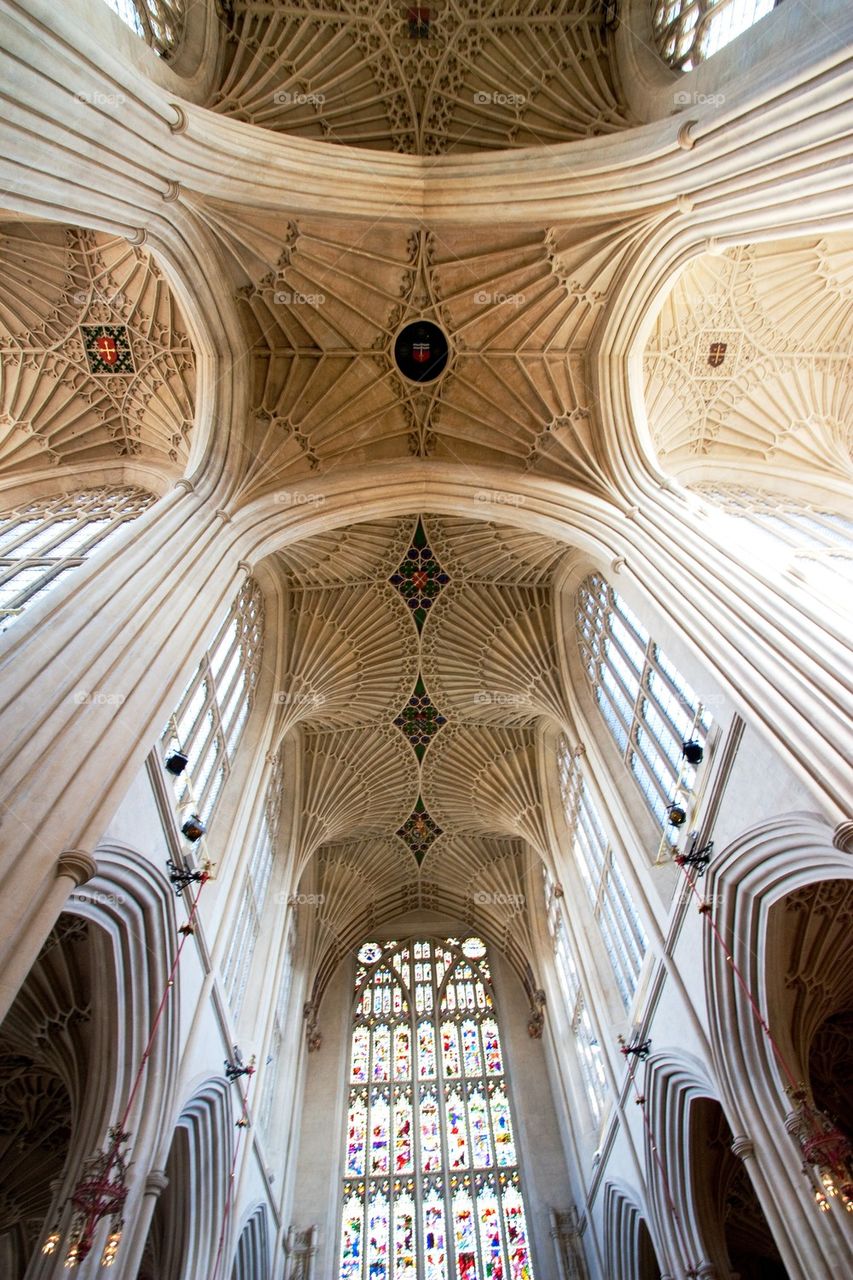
[
  {"x": 690, "y": 1268},
  {"x": 704, "y": 909},
  {"x": 229, "y": 1198},
  {"x": 161, "y": 1009}
]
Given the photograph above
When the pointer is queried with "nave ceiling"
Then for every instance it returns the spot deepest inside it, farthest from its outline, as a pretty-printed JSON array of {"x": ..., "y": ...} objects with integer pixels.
[
  {"x": 422, "y": 665},
  {"x": 461, "y": 76}
]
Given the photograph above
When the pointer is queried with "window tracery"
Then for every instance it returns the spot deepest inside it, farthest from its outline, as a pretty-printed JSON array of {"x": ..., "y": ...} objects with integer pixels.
[
  {"x": 647, "y": 705},
  {"x": 791, "y": 533},
  {"x": 238, "y": 961},
  {"x": 609, "y": 897},
  {"x": 42, "y": 542},
  {"x": 212, "y": 714},
  {"x": 688, "y": 32},
  {"x": 431, "y": 1179},
  {"x": 160, "y": 23},
  {"x": 590, "y": 1056}
]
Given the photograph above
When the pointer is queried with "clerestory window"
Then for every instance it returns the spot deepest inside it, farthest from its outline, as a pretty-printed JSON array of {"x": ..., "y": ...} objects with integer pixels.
[
  {"x": 42, "y": 542},
  {"x": 688, "y": 32},
  {"x": 648, "y": 706}
]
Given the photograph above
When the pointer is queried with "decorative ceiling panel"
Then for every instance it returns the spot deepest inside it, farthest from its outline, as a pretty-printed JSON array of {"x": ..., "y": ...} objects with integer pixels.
[
  {"x": 95, "y": 361},
  {"x": 458, "y": 75},
  {"x": 749, "y": 361}
]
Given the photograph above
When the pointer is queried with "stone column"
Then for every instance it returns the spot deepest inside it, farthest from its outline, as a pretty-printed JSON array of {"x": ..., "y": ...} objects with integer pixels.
[
  {"x": 73, "y": 868},
  {"x": 68, "y": 759},
  {"x": 136, "y": 1233}
]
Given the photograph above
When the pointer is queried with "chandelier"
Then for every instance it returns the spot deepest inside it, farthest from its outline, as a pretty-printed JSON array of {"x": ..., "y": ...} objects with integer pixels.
[
  {"x": 827, "y": 1152},
  {"x": 100, "y": 1193}
]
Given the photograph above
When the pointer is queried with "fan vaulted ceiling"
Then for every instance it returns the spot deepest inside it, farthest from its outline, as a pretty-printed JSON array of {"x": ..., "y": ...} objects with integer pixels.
[
  {"x": 95, "y": 361},
  {"x": 457, "y": 75},
  {"x": 749, "y": 362},
  {"x": 422, "y": 661}
]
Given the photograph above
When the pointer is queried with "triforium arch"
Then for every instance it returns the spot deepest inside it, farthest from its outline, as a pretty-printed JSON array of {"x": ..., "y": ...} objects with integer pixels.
[
  {"x": 704, "y": 1204},
  {"x": 784, "y": 868},
  {"x": 188, "y": 1230},
  {"x": 91, "y": 997},
  {"x": 252, "y": 1259},
  {"x": 630, "y": 1251}
]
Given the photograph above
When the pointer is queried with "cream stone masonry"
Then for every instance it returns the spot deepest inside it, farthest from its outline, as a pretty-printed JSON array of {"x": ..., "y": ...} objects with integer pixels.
[{"x": 645, "y": 284}]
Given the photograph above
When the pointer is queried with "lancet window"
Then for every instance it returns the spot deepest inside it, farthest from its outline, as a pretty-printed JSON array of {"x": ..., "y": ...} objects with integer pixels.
[
  {"x": 648, "y": 706},
  {"x": 609, "y": 897},
  {"x": 432, "y": 1186},
  {"x": 238, "y": 961},
  {"x": 212, "y": 714},
  {"x": 688, "y": 32},
  {"x": 42, "y": 542},
  {"x": 590, "y": 1056}
]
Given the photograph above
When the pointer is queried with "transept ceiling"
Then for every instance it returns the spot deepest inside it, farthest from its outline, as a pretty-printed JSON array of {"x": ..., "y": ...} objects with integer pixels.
[
  {"x": 749, "y": 361},
  {"x": 454, "y": 76},
  {"x": 95, "y": 361}
]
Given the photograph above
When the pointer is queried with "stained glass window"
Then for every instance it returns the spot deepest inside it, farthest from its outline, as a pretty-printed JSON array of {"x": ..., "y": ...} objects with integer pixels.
[
  {"x": 689, "y": 31},
  {"x": 609, "y": 896},
  {"x": 212, "y": 714},
  {"x": 432, "y": 1187},
  {"x": 160, "y": 23},
  {"x": 647, "y": 704},
  {"x": 42, "y": 542}
]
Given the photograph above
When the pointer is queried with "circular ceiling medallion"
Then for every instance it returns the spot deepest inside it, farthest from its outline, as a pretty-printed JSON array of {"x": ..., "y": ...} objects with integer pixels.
[{"x": 421, "y": 351}]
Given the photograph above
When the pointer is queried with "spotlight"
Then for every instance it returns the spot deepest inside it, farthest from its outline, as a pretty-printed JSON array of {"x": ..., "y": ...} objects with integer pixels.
[
  {"x": 677, "y": 814},
  {"x": 177, "y": 762},
  {"x": 194, "y": 828},
  {"x": 693, "y": 751}
]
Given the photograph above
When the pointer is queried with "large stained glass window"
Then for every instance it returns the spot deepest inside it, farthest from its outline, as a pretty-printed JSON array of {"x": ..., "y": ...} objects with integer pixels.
[
  {"x": 432, "y": 1189},
  {"x": 160, "y": 23}
]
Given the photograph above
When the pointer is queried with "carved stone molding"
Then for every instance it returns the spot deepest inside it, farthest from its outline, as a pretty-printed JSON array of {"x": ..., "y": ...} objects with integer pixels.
[
  {"x": 743, "y": 1147},
  {"x": 156, "y": 1182},
  {"x": 842, "y": 836},
  {"x": 76, "y": 865}
]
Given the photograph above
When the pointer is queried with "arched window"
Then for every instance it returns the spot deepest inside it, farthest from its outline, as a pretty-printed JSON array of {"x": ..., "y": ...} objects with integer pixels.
[
  {"x": 431, "y": 1179},
  {"x": 160, "y": 23},
  {"x": 238, "y": 961},
  {"x": 790, "y": 534},
  {"x": 590, "y": 1056},
  {"x": 210, "y": 718},
  {"x": 276, "y": 1045},
  {"x": 647, "y": 704},
  {"x": 689, "y": 31},
  {"x": 42, "y": 542},
  {"x": 609, "y": 897}
]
